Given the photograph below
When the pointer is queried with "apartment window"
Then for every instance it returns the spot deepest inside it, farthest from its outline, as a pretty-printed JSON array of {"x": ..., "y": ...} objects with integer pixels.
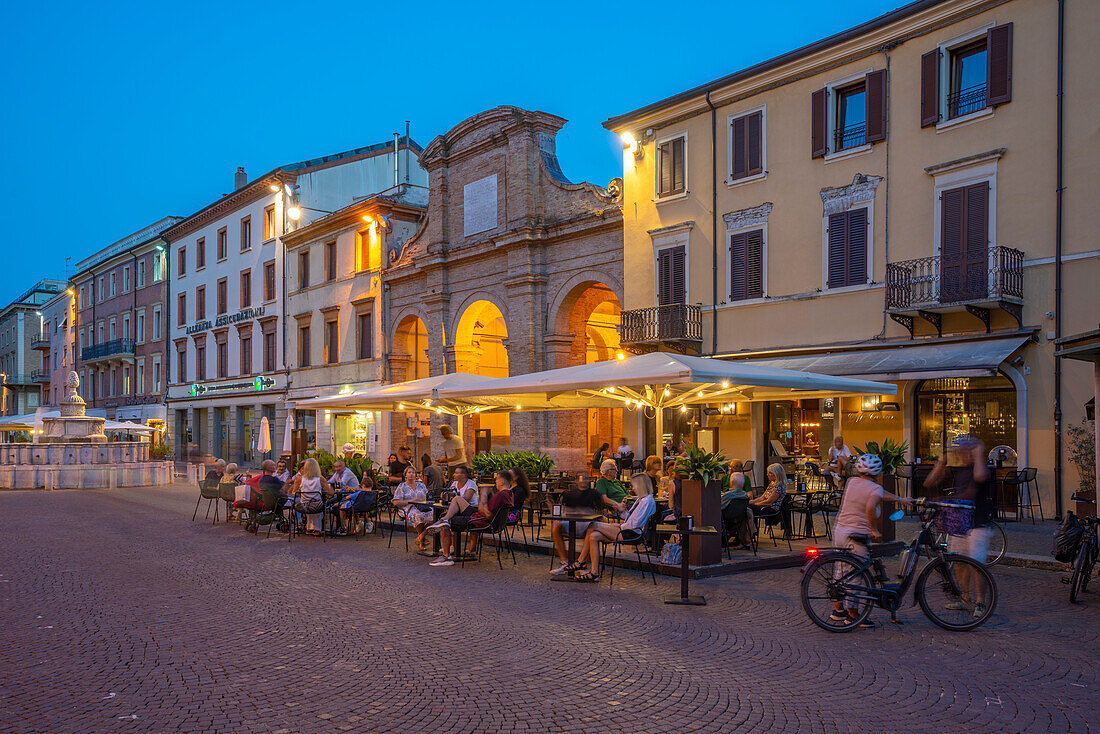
[
  {"x": 141, "y": 273},
  {"x": 111, "y": 329},
  {"x": 200, "y": 362},
  {"x": 125, "y": 381},
  {"x": 303, "y": 269},
  {"x": 181, "y": 266},
  {"x": 83, "y": 339},
  {"x": 967, "y": 76},
  {"x": 126, "y": 334},
  {"x": 200, "y": 303},
  {"x": 159, "y": 262},
  {"x": 223, "y": 243},
  {"x": 365, "y": 323},
  {"x": 181, "y": 310},
  {"x": 223, "y": 295},
  {"x": 139, "y": 335},
  {"x": 332, "y": 342},
  {"x": 156, "y": 375},
  {"x": 246, "y": 354},
  {"x": 246, "y": 233},
  {"x": 269, "y": 280},
  {"x": 222, "y": 349},
  {"x": 181, "y": 363},
  {"x": 200, "y": 253},
  {"x": 156, "y": 323},
  {"x": 126, "y": 279},
  {"x": 671, "y": 166},
  {"x": 246, "y": 288},
  {"x": 114, "y": 284},
  {"x": 747, "y": 145},
  {"x": 848, "y": 114},
  {"x": 847, "y": 237},
  {"x": 330, "y": 261},
  {"x": 269, "y": 351},
  {"x": 140, "y": 387},
  {"x": 746, "y": 254},
  {"x": 303, "y": 346},
  {"x": 269, "y": 223}
]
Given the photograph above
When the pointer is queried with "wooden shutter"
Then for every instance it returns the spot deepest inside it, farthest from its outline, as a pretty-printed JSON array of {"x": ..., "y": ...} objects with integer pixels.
[
  {"x": 856, "y": 256},
  {"x": 678, "y": 290},
  {"x": 739, "y": 266},
  {"x": 876, "y": 106},
  {"x": 818, "y": 144},
  {"x": 951, "y": 243},
  {"x": 754, "y": 251},
  {"x": 838, "y": 250},
  {"x": 999, "y": 64},
  {"x": 930, "y": 88},
  {"x": 976, "y": 240},
  {"x": 671, "y": 276},
  {"x": 740, "y": 152},
  {"x": 664, "y": 166},
  {"x": 677, "y": 165},
  {"x": 754, "y": 143}
]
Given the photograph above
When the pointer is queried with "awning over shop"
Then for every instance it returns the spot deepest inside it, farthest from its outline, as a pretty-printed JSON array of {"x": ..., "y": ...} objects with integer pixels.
[{"x": 919, "y": 361}]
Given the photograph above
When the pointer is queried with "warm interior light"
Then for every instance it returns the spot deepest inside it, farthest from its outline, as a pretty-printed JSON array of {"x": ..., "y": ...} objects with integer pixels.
[
  {"x": 400, "y": 406},
  {"x": 519, "y": 407},
  {"x": 294, "y": 213},
  {"x": 620, "y": 356},
  {"x": 725, "y": 383},
  {"x": 683, "y": 409},
  {"x": 611, "y": 389},
  {"x": 700, "y": 393},
  {"x": 667, "y": 393}
]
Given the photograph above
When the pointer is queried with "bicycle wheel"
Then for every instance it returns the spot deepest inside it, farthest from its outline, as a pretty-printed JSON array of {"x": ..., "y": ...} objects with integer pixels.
[
  {"x": 1082, "y": 569},
  {"x": 956, "y": 592},
  {"x": 826, "y": 581},
  {"x": 998, "y": 544}
]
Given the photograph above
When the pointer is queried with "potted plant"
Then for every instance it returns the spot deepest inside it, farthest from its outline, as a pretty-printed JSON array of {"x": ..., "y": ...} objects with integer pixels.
[
  {"x": 892, "y": 455},
  {"x": 1081, "y": 441},
  {"x": 701, "y": 497}
]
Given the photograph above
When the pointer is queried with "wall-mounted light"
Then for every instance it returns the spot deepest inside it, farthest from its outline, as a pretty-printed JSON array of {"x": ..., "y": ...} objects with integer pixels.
[
  {"x": 631, "y": 145},
  {"x": 294, "y": 213},
  {"x": 274, "y": 188}
]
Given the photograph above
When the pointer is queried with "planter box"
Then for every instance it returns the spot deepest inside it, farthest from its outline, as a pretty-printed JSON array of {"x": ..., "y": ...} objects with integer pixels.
[{"x": 705, "y": 505}]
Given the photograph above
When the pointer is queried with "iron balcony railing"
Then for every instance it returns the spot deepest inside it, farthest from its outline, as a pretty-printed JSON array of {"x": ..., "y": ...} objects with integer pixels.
[
  {"x": 851, "y": 136},
  {"x": 675, "y": 323},
  {"x": 40, "y": 376},
  {"x": 928, "y": 281},
  {"x": 965, "y": 101},
  {"x": 107, "y": 349},
  {"x": 26, "y": 379},
  {"x": 40, "y": 342}
]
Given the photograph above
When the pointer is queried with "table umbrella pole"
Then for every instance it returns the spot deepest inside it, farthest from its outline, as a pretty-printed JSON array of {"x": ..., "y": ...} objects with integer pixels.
[{"x": 659, "y": 412}]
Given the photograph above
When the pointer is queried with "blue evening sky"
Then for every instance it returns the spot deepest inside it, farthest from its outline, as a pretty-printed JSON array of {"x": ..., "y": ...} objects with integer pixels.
[{"x": 117, "y": 114}]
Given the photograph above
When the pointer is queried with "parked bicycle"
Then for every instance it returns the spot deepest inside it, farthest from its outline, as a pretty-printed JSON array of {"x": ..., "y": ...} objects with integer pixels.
[
  {"x": 998, "y": 542},
  {"x": 955, "y": 592},
  {"x": 1086, "y": 555}
]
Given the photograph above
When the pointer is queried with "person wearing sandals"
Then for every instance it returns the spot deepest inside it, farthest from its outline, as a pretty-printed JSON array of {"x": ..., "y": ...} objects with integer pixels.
[
  {"x": 634, "y": 524},
  {"x": 404, "y": 495},
  {"x": 310, "y": 488},
  {"x": 583, "y": 499},
  {"x": 500, "y": 497}
]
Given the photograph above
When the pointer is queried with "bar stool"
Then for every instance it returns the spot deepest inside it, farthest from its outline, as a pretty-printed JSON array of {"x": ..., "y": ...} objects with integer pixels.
[{"x": 1030, "y": 478}]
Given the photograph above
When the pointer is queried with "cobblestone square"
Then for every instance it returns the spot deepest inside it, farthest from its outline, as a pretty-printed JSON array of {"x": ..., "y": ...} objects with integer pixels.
[{"x": 120, "y": 614}]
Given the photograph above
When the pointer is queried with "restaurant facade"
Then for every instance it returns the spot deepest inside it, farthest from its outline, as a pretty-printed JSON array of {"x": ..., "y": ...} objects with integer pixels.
[{"x": 884, "y": 204}]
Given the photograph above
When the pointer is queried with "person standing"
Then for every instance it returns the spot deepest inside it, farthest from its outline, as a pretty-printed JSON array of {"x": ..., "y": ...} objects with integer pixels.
[
  {"x": 598, "y": 457},
  {"x": 397, "y": 467},
  {"x": 454, "y": 453},
  {"x": 433, "y": 477}
]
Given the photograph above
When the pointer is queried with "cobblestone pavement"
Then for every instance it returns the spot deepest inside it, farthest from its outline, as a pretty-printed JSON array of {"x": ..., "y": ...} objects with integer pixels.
[{"x": 119, "y": 614}]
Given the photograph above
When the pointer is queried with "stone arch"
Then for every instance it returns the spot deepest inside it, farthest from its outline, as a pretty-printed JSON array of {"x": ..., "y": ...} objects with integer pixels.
[
  {"x": 479, "y": 339},
  {"x": 409, "y": 347},
  {"x": 572, "y": 288},
  {"x": 451, "y": 334}
]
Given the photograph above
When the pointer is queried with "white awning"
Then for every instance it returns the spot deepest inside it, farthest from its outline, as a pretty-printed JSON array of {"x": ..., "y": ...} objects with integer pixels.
[{"x": 979, "y": 358}]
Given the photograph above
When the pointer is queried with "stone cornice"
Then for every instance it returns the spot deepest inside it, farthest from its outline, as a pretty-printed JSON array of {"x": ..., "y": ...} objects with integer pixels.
[
  {"x": 239, "y": 199},
  {"x": 351, "y": 217},
  {"x": 970, "y": 160},
  {"x": 842, "y": 198},
  {"x": 748, "y": 217}
]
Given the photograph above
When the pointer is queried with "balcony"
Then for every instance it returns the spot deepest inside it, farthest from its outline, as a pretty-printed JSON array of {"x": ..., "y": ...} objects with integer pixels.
[
  {"x": 116, "y": 350},
  {"x": 40, "y": 343},
  {"x": 677, "y": 326},
  {"x": 40, "y": 376},
  {"x": 965, "y": 101},
  {"x": 18, "y": 380},
  {"x": 930, "y": 286}
]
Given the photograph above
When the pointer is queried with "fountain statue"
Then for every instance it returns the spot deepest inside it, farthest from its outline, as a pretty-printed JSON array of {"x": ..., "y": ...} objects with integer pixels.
[{"x": 72, "y": 426}]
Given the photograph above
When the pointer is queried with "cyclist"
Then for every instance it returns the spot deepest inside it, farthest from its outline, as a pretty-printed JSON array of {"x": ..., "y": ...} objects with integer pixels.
[
  {"x": 859, "y": 512},
  {"x": 972, "y": 483}
]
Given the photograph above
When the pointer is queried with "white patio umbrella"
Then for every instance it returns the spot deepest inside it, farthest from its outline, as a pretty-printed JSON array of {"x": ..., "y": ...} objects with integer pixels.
[
  {"x": 656, "y": 381},
  {"x": 39, "y": 412},
  {"x": 286, "y": 432},
  {"x": 263, "y": 442}
]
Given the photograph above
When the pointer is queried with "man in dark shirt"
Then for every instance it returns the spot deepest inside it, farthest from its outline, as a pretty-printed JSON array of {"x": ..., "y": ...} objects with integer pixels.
[
  {"x": 215, "y": 474},
  {"x": 397, "y": 468}
]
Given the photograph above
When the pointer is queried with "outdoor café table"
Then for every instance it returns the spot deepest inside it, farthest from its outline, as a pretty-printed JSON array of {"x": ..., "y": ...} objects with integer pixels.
[
  {"x": 683, "y": 597},
  {"x": 573, "y": 519},
  {"x": 808, "y": 516},
  {"x": 437, "y": 510}
]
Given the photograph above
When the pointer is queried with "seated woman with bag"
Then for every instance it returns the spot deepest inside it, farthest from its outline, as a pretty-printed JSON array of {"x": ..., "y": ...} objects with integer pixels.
[
  {"x": 404, "y": 495},
  {"x": 309, "y": 489}
]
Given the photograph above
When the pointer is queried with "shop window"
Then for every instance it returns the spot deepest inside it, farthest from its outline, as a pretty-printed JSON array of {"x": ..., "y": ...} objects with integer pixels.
[{"x": 981, "y": 407}]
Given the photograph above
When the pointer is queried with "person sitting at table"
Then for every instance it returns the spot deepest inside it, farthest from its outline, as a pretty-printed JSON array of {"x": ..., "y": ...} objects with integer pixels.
[
  {"x": 634, "y": 524},
  {"x": 397, "y": 468},
  {"x": 282, "y": 473},
  {"x": 839, "y": 457},
  {"x": 737, "y": 519},
  {"x": 598, "y": 457},
  {"x": 581, "y": 499},
  {"x": 433, "y": 477},
  {"x": 737, "y": 467},
  {"x": 624, "y": 448},
  {"x": 772, "y": 497},
  {"x": 404, "y": 495},
  {"x": 521, "y": 491},
  {"x": 611, "y": 490},
  {"x": 500, "y": 498},
  {"x": 342, "y": 477},
  {"x": 464, "y": 502},
  {"x": 671, "y": 487},
  {"x": 309, "y": 489},
  {"x": 214, "y": 475}
]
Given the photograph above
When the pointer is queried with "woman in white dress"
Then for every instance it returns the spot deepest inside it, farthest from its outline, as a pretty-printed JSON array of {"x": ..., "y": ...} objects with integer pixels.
[
  {"x": 404, "y": 494},
  {"x": 309, "y": 489}
]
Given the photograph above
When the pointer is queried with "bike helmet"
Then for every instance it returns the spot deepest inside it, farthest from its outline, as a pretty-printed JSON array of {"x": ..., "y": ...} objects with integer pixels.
[{"x": 870, "y": 465}]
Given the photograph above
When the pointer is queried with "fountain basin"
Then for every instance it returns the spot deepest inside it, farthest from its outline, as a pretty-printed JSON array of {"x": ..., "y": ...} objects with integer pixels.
[{"x": 80, "y": 465}]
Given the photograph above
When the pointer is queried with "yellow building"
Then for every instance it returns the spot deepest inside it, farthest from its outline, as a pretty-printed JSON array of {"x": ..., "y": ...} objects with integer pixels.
[{"x": 883, "y": 203}]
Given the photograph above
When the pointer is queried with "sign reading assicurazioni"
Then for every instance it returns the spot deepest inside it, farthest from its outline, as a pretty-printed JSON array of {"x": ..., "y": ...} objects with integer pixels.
[{"x": 225, "y": 320}]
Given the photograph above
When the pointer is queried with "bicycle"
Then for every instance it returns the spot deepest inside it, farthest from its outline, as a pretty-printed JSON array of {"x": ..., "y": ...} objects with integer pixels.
[
  {"x": 1086, "y": 555},
  {"x": 955, "y": 592},
  {"x": 998, "y": 542}
]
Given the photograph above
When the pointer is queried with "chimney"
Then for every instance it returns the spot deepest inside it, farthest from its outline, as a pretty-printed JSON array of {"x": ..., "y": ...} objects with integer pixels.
[{"x": 240, "y": 178}]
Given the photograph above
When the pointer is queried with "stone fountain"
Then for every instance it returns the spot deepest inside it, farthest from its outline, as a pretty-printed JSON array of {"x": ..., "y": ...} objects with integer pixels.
[{"x": 73, "y": 453}]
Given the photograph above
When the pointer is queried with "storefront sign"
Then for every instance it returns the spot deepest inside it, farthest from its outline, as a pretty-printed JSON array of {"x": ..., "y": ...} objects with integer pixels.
[
  {"x": 226, "y": 319},
  {"x": 259, "y": 385}
]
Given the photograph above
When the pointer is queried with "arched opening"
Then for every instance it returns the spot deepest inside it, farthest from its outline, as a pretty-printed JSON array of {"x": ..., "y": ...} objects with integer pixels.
[
  {"x": 410, "y": 350},
  {"x": 479, "y": 348}
]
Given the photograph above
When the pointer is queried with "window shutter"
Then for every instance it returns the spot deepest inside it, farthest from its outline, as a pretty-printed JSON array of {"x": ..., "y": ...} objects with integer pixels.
[
  {"x": 664, "y": 259},
  {"x": 838, "y": 250},
  {"x": 951, "y": 241},
  {"x": 876, "y": 106},
  {"x": 678, "y": 276},
  {"x": 930, "y": 88},
  {"x": 754, "y": 142},
  {"x": 677, "y": 165},
  {"x": 664, "y": 165},
  {"x": 999, "y": 64},
  {"x": 740, "y": 152},
  {"x": 754, "y": 252},
  {"x": 976, "y": 241},
  {"x": 817, "y": 125},
  {"x": 856, "y": 255},
  {"x": 738, "y": 266}
]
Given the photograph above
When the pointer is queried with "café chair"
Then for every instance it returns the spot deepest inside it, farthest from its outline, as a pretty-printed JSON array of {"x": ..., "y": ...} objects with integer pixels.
[
  {"x": 497, "y": 526},
  {"x": 1032, "y": 500},
  {"x": 212, "y": 496},
  {"x": 642, "y": 541},
  {"x": 782, "y": 517},
  {"x": 228, "y": 493},
  {"x": 747, "y": 471},
  {"x": 322, "y": 511}
]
